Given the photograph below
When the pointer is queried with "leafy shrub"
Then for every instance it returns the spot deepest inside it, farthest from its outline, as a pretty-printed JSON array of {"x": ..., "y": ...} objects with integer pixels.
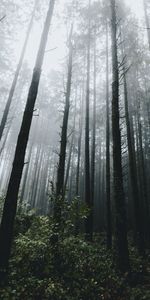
[{"x": 50, "y": 262}]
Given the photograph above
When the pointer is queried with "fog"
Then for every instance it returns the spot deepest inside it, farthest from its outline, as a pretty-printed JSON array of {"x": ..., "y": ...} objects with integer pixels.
[
  {"x": 74, "y": 149},
  {"x": 46, "y": 125}
]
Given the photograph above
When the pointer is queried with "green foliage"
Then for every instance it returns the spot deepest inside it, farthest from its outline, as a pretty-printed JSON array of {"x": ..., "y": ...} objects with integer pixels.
[
  {"x": 50, "y": 262},
  {"x": 140, "y": 293}
]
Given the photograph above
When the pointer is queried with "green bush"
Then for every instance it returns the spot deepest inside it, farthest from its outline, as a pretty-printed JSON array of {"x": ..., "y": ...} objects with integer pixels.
[{"x": 49, "y": 262}]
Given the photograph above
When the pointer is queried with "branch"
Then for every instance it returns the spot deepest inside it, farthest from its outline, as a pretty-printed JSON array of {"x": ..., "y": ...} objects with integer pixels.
[
  {"x": 51, "y": 50},
  {"x": 143, "y": 28},
  {"x": 2, "y": 18}
]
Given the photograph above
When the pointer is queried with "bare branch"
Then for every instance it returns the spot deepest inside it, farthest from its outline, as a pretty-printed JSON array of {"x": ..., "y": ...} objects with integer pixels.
[
  {"x": 51, "y": 50},
  {"x": 2, "y": 18}
]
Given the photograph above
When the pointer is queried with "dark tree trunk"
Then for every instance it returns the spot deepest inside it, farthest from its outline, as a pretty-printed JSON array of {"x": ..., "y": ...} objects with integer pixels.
[
  {"x": 147, "y": 22},
  {"x": 79, "y": 143},
  {"x": 71, "y": 147},
  {"x": 133, "y": 175},
  {"x": 143, "y": 180},
  {"x": 139, "y": 233},
  {"x": 10, "y": 206},
  {"x": 103, "y": 194},
  {"x": 25, "y": 177},
  {"x": 93, "y": 128},
  {"x": 78, "y": 162},
  {"x": 70, "y": 192},
  {"x": 100, "y": 186},
  {"x": 63, "y": 143},
  {"x": 77, "y": 193},
  {"x": 69, "y": 162},
  {"x": 108, "y": 200},
  {"x": 13, "y": 86},
  {"x": 121, "y": 243},
  {"x": 89, "y": 219}
]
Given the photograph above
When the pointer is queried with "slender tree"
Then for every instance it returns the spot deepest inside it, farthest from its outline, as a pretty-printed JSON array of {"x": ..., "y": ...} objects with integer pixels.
[
  {"x": 121, "y": 243},
  {"x": 89, "y": 219},
  {"x": 71, "y": 147},
  {"x": 108, "y": 200},
  {"x": 63, "y": 143},
  {"x": 147, "y": 21},
  {"x": 79, "y": 141},
  {"x": 25, "y": 176},
  {"x": 133, "y": 174},
  {"x": 93, "y": 126},
  {"x": 146, "y": 209},
  {"x": 10, "y": 205},
  {"x": 13, "y": 86}
]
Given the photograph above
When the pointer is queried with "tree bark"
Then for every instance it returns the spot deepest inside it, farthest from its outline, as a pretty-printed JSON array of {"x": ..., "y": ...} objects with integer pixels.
[
  {"x": 147, "y": 22},
  {"x": 79, "y": 142},
  {"x": 133, "y": 175},
  {"x": 143, "y": 180},
  {"x": 63, "y": 143},
  {"x": 71, "y": 148},
  {"x": 89, "y": 219},
  {"x": 108, "y": 200},
  {"x": 121, "y": 243},
  {"x": 93, "y": 128},
  {"x": 25, "y": 177}
]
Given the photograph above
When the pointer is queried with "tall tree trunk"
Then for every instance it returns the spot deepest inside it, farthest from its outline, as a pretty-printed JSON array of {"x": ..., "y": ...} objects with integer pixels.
[
  {"x": 93, "y": 127},
  {"x": 42, "y": 195},
  {"x": 133, "y": 168},
  {"x": 121, "y": 243},
  {"x": 71, "y": 149},
  {"x": 108, "y": 200},
  {"x": 103, "y": 194},
  {"x": 147, "y": 22},
  {"x": 70, "y": 192},
  {"x": 143, "y": 180},
  {"x": 4, "y": 140},
  {"x": 10, "y": 206},
  {"x": 147, "y": 103},
  {"x": 79, "y": 143},
  {"x": 63, "y": 143},
  {"x": 25, "y": 176},
  {"x": 133, "y": 174},
  {"x": 13, "y": 86},
  {"x": 100, "y": 186},
  {"x": 89, "y": 219},
  {"x": 77, "y": 192},
  {"x": 34, "y": 185}
]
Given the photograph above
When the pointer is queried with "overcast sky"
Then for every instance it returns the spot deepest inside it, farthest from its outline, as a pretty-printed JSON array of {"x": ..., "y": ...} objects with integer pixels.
[
  {"x": 136, "y": 6},
  {"x": 57, "y": 39}
]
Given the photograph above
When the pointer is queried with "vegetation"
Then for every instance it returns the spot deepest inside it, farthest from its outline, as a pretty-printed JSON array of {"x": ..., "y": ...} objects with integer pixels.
[{"x": 55, "y": 264}]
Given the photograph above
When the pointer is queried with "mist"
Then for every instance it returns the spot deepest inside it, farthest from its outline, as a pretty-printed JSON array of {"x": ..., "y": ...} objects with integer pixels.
[{"x": 74, "y": 147}]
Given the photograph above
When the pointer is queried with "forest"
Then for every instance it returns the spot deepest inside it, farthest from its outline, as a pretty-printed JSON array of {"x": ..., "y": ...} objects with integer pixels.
[{"x": 75, "y": 150}]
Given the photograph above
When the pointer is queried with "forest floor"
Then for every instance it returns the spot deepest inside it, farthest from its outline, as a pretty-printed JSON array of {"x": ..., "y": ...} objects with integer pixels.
[{"x": 47, "y": 264}]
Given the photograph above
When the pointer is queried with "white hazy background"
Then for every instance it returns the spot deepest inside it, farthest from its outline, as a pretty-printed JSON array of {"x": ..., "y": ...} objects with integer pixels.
[{"x": 57, "y": 36}]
